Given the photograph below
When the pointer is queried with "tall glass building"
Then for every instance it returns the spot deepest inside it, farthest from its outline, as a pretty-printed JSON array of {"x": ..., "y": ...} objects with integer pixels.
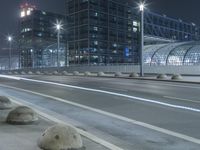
[
  {"x": 36, "y": 33},
  {"x": 101, "y": 32},
  {"x": 107, "y": 31}
]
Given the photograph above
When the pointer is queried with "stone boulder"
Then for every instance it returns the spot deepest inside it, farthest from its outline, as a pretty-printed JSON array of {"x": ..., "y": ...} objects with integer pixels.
[
  {"x": 75, "y": 73},
  {"x": 162, "y": 76},
  {"x": 100, "y": 74},
  {"x": 38, "y": 73},
  {"x": 87, "y": 73},
  {"x": 65, "y": 73},
  {"x": 134, "y": 75},
  {"x": 22, "y": 115},
  {"x": 176, "y": 77},
  {"x": 23, "y": 73},
  {"x": 5, "y": 103},
  {"x": 55, "y": 73},
  {"x": 118, "y": 74},
  {"x": 30, "y": 73},
  {"x": 60, "y": 137}
]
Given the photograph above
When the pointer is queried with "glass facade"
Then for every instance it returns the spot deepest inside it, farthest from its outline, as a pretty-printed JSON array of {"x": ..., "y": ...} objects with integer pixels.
[
  {"x": 100, "y": 32},
  {"x": 182, "y": 53},
  {"x": 169, "y": 28},
  {"x": 36, "y": 33}
]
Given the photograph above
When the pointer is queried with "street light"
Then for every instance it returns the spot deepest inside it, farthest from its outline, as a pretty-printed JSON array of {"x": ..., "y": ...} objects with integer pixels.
[
  {"x": 141, "y": 8},
  {"x": 10, "y": 39},
  {"x": 33, "y": 58},
  {"x": 58, "y": 27}
]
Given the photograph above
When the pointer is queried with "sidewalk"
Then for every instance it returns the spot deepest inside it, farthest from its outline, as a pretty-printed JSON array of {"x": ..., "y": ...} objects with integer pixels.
[{"x": 24, "y": 137}]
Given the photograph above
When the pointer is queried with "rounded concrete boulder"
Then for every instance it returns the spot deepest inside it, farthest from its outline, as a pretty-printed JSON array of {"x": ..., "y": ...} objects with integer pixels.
[
  {"x": 100, "y": 74},
  {"x": 118, "y": 74},
  {"x": 87, "y": 73},
  {"x": 60, "y": 137},
  {"x": 23, "y": 73},
  {"x": 10, "y": 73},
  {"x": 22, "y": 115},
  {"x": 162, "y": 76},
  {"x": 65, "y": 73},
  {"x": 38, "y": 73},
  {"x": 30, "y": 73},
  {"x": 5, "y": 103},
  {"x": 16, "y": 73},
  {"x": 134, "y": 75},
  {"x": 75, "y": 73},
  {"x": 176, "y": 77},
  {"x": 55, "y": 73}
]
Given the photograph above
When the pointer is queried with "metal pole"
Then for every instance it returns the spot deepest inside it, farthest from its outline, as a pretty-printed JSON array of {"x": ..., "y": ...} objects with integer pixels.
[
  {"x": 141, "y": 42},
  {"x": 10, "y": 47},
  {"x": 67, "y": 54},
  {"x": 58, "y": 48}
]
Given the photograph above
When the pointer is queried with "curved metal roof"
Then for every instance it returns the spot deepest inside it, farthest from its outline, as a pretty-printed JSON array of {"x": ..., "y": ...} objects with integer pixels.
[{"x": 182, "y": 53}]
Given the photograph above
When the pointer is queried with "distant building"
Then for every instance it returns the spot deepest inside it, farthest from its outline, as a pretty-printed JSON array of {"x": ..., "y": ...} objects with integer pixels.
[
  {"x": 107, "y": 31},
  {"x": 37, "y": 33}
]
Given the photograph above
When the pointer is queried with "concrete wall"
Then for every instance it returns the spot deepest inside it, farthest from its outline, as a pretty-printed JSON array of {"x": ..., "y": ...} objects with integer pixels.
[{"x": 185, "y": 70}]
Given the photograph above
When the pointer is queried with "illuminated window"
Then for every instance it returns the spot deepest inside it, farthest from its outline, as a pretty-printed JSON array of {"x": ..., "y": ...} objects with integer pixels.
[
  {"x": 22, "y": 14},
  {"x": 135, "y": 23},
  {"x": 28, "y": 12}
]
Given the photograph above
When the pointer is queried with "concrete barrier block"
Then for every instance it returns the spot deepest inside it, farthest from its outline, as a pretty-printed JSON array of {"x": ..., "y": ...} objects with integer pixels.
[
  {"x": 23, "y": 73},
  {"x": 118, "y": 74},
  {"x": 176, "y": 77},
  {"x": 65, "y": 73},
  {"x": 30, "y": 73},
  {"x": 75, "y": 73},
  {"x": 55, "y": 73},
  {"x": 87, "y": 73},
  {"x": 22, "y": 115},
  {"x": 60, "y": 137},
  {"x": 162, "y": 76},
  {"x": 134, "y": 75},
  {"x": 5, "y": 103},
  {"x": 38, "y": 73},
  {"x": 100, "y": 74}
]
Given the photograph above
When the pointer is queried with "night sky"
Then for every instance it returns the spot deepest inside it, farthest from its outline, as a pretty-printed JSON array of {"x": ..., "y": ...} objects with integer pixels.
[{"x": 187, "y": 10}]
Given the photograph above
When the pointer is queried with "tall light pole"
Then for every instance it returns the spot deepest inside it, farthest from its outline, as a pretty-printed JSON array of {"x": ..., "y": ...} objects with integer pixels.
[
  {"x": 10, "y": 39},
  {"x": 141, "y": 7},
  {"x": 33, "y": 58},
  {"x": 58, "y": 27}
]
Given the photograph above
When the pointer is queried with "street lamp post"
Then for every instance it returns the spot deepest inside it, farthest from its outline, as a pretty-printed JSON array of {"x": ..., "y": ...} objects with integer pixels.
[
  {"x": 10, "y": 38},
  {"x": 141, "y": 6},
  {"x": 58, "y": 28},
  {"x": 33, "y": 58}
]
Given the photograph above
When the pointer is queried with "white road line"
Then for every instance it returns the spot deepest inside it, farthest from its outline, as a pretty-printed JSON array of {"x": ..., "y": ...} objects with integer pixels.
[
  {"x": 182, "y": 99},
  {"x": 88, "y": 135},
  {"x": 122, "y": 118},
  {"x": 117, "y": 94}
]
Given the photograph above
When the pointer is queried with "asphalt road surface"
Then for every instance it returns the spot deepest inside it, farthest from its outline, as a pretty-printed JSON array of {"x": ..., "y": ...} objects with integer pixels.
[{"x": 132, "y": 114}]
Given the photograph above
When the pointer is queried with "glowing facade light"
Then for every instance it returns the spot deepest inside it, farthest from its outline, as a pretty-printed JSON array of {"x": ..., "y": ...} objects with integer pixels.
[
  {"x": 58, "y": 25},
  {"x": 22, "y": 14},
  {"x": 142, "y": 6},
  {"x": 26, "y": 10},
  {"x": 9, "y": 38}
]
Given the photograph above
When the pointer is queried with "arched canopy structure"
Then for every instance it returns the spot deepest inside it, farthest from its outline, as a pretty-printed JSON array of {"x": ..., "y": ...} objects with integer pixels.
[
  {"x": 182, "y": 53},
  {"x": 50, "y": 54}
]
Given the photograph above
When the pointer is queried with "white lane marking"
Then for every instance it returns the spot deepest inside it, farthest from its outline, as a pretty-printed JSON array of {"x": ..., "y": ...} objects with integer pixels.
[
  {"x": 117, "y": 94},
  {"x": 182, "y": 99},
  {"x": 159, "y": 83},
  {"x": 109, "y": 88},
  {"x": 10, "y": 77},
  {"x": 82, "y": 132},
  {"x": 122, "y": 118}
]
